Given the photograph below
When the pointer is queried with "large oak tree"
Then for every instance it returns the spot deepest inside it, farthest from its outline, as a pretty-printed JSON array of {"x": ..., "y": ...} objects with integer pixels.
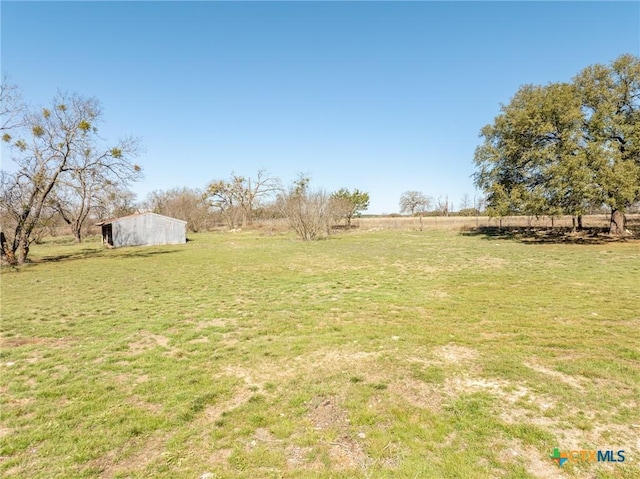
[{"x": 565, "y": 147}]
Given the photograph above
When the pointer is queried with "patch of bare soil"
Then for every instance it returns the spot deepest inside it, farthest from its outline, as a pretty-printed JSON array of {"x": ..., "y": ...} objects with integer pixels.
[
  {"x": 137, "y": 401},
  {"x": 564, "y": 378},
  {"x": 518, "y": 415},
  {"x": 17, "y": 341},
  {"x": 147, "y": 451},
  {"x": 454, "y": 354},
  {"x": 149, "y": 341},
  {"x": 215, "y": 412},
  {"x": 325, "y": 414},
  {"x": 215, "y": 323},
  {"x": 336, "y": 360},
  {"x": 491, "y": 262},
  {"x": 531, "y": 459},
  {"x": 299, "y": 457},
  {"x": 418, "y": 393},
  {"x": 220, "y": 456},
  {"x": 345, "y": 451},
  {"x": 509, "y": 394},
  {"x": 263, "y": 372}
]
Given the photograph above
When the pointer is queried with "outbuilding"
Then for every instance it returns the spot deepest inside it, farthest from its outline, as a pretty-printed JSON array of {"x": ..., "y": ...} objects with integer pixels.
[{"x": 143, "y": 229}]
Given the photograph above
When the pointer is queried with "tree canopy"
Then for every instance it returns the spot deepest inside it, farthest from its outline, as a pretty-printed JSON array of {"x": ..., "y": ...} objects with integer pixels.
[
  {"x": 347, "y": 204},
  {"x": 564, "y": 148},
  {"x": 413, "y": 202},
  {"x": 61, "y": 163},
  {"x": 237, "y": 198}
]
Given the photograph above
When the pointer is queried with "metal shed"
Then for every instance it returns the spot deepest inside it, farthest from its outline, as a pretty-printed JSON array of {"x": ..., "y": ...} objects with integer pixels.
[{"x": 143, "y": 229}]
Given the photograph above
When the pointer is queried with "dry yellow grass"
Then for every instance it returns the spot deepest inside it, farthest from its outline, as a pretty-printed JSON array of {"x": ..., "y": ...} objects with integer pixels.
[{"x": 467, "y": 222}]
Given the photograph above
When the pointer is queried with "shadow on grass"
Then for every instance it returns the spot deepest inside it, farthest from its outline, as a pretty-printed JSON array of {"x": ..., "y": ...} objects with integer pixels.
[
  {"x": 72, "y": 255},
  {"x": 142, "y": 252},
  {"x": 587, "y": 236},
  {"x": 86, "y": 253}
]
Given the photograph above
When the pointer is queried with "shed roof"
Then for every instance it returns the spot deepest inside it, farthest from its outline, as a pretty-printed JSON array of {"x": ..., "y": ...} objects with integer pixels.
[{"x": 115, "y": 220}]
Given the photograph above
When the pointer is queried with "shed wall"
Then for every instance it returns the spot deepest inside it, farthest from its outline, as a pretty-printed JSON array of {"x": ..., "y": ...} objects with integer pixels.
[{"x": 148, "y": 229}]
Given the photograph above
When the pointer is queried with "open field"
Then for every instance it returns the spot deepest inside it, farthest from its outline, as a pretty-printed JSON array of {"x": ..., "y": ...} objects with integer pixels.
[
  {"x": 374, "y": 354},
  {"x": 467, "y": 222}
]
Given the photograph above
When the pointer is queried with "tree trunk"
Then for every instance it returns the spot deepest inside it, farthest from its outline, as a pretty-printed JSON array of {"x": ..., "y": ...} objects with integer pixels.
[
  {"x": 3, "y": 244},
  {"x": 77, "y": 235},
  {"x": 5, "y": 251},
  {"x": 23, "y": 248},
  {"x": 573, "y": 224},
  {"x": 580, "y": 227},
  {"x": 617, "y": 226}
]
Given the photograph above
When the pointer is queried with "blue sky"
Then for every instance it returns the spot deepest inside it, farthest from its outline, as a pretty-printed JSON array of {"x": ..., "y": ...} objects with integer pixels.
[{"x": 381, "y": 96}]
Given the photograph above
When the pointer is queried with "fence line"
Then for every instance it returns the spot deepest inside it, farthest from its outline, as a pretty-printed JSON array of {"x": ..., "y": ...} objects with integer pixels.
[{"x": 468, "y": 222}]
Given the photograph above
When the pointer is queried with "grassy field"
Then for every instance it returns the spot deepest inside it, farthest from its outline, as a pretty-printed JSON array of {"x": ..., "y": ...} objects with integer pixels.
[{"x": 374, "y": 354}]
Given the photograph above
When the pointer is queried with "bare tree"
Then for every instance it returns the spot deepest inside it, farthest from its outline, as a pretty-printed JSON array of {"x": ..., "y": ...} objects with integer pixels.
[
  {"x": 79, "y": 189},
  {"x": 442, "y": 205},
  {"x": 237, "y": 198},
  {"x": 183, "y": 203},
  {"x": 308, "y": 212},
  {"x": 53, "y": 144},
  {"x": 11, "y": 115},
  {"x": 465, "y": 202},
  {"x": 115, "y": 201},
  {"x": 413, "y": 202},
  {"x": 11, "y": 108}
]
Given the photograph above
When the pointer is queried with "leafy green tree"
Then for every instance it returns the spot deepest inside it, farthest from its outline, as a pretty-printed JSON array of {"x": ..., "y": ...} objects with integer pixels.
[
  {"x": 349, "y": 204},
  {"x": 610, "y": 98},
  {"x": 563, "y": 148}
]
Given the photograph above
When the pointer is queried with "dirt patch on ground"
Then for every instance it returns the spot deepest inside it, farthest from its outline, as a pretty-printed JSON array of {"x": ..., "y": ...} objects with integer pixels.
[
  {"x": 535, "y": 463},
  {"x": 326, "y": 413},
  {"x": 264, "y": 372},
  {"x": 418, "y": 393},
  {"x": 147, "y": 451},
  {"x": 510, "y": 394},
  {"x": 454, "y": 354},
  {"x": 491, "y": 262},
  {"x": 140, "y": 403},
  {"x": 215, "y": 323},
  {"x": 345, "y": 451},
  {"x": 564, "y": 378},
  {"x": 518, "y": 415},
  {"x": 346, "y": 361},
  {"x": 131, "y": 379},
  {"x": 299, "y": 457},
  {"x": 215, "y": 412},
  {"x": 15, "y": 342},
  {"x": 147, "y": 341},
  {"x": 220, "y": 456}
]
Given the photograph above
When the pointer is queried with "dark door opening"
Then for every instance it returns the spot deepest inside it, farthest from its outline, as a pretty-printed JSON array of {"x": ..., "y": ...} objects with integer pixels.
[{"x": 107, "y": 234}]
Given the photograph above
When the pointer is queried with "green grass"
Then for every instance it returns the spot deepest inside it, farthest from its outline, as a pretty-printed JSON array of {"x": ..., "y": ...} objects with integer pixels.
[{"x": 371, "y": 354}]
